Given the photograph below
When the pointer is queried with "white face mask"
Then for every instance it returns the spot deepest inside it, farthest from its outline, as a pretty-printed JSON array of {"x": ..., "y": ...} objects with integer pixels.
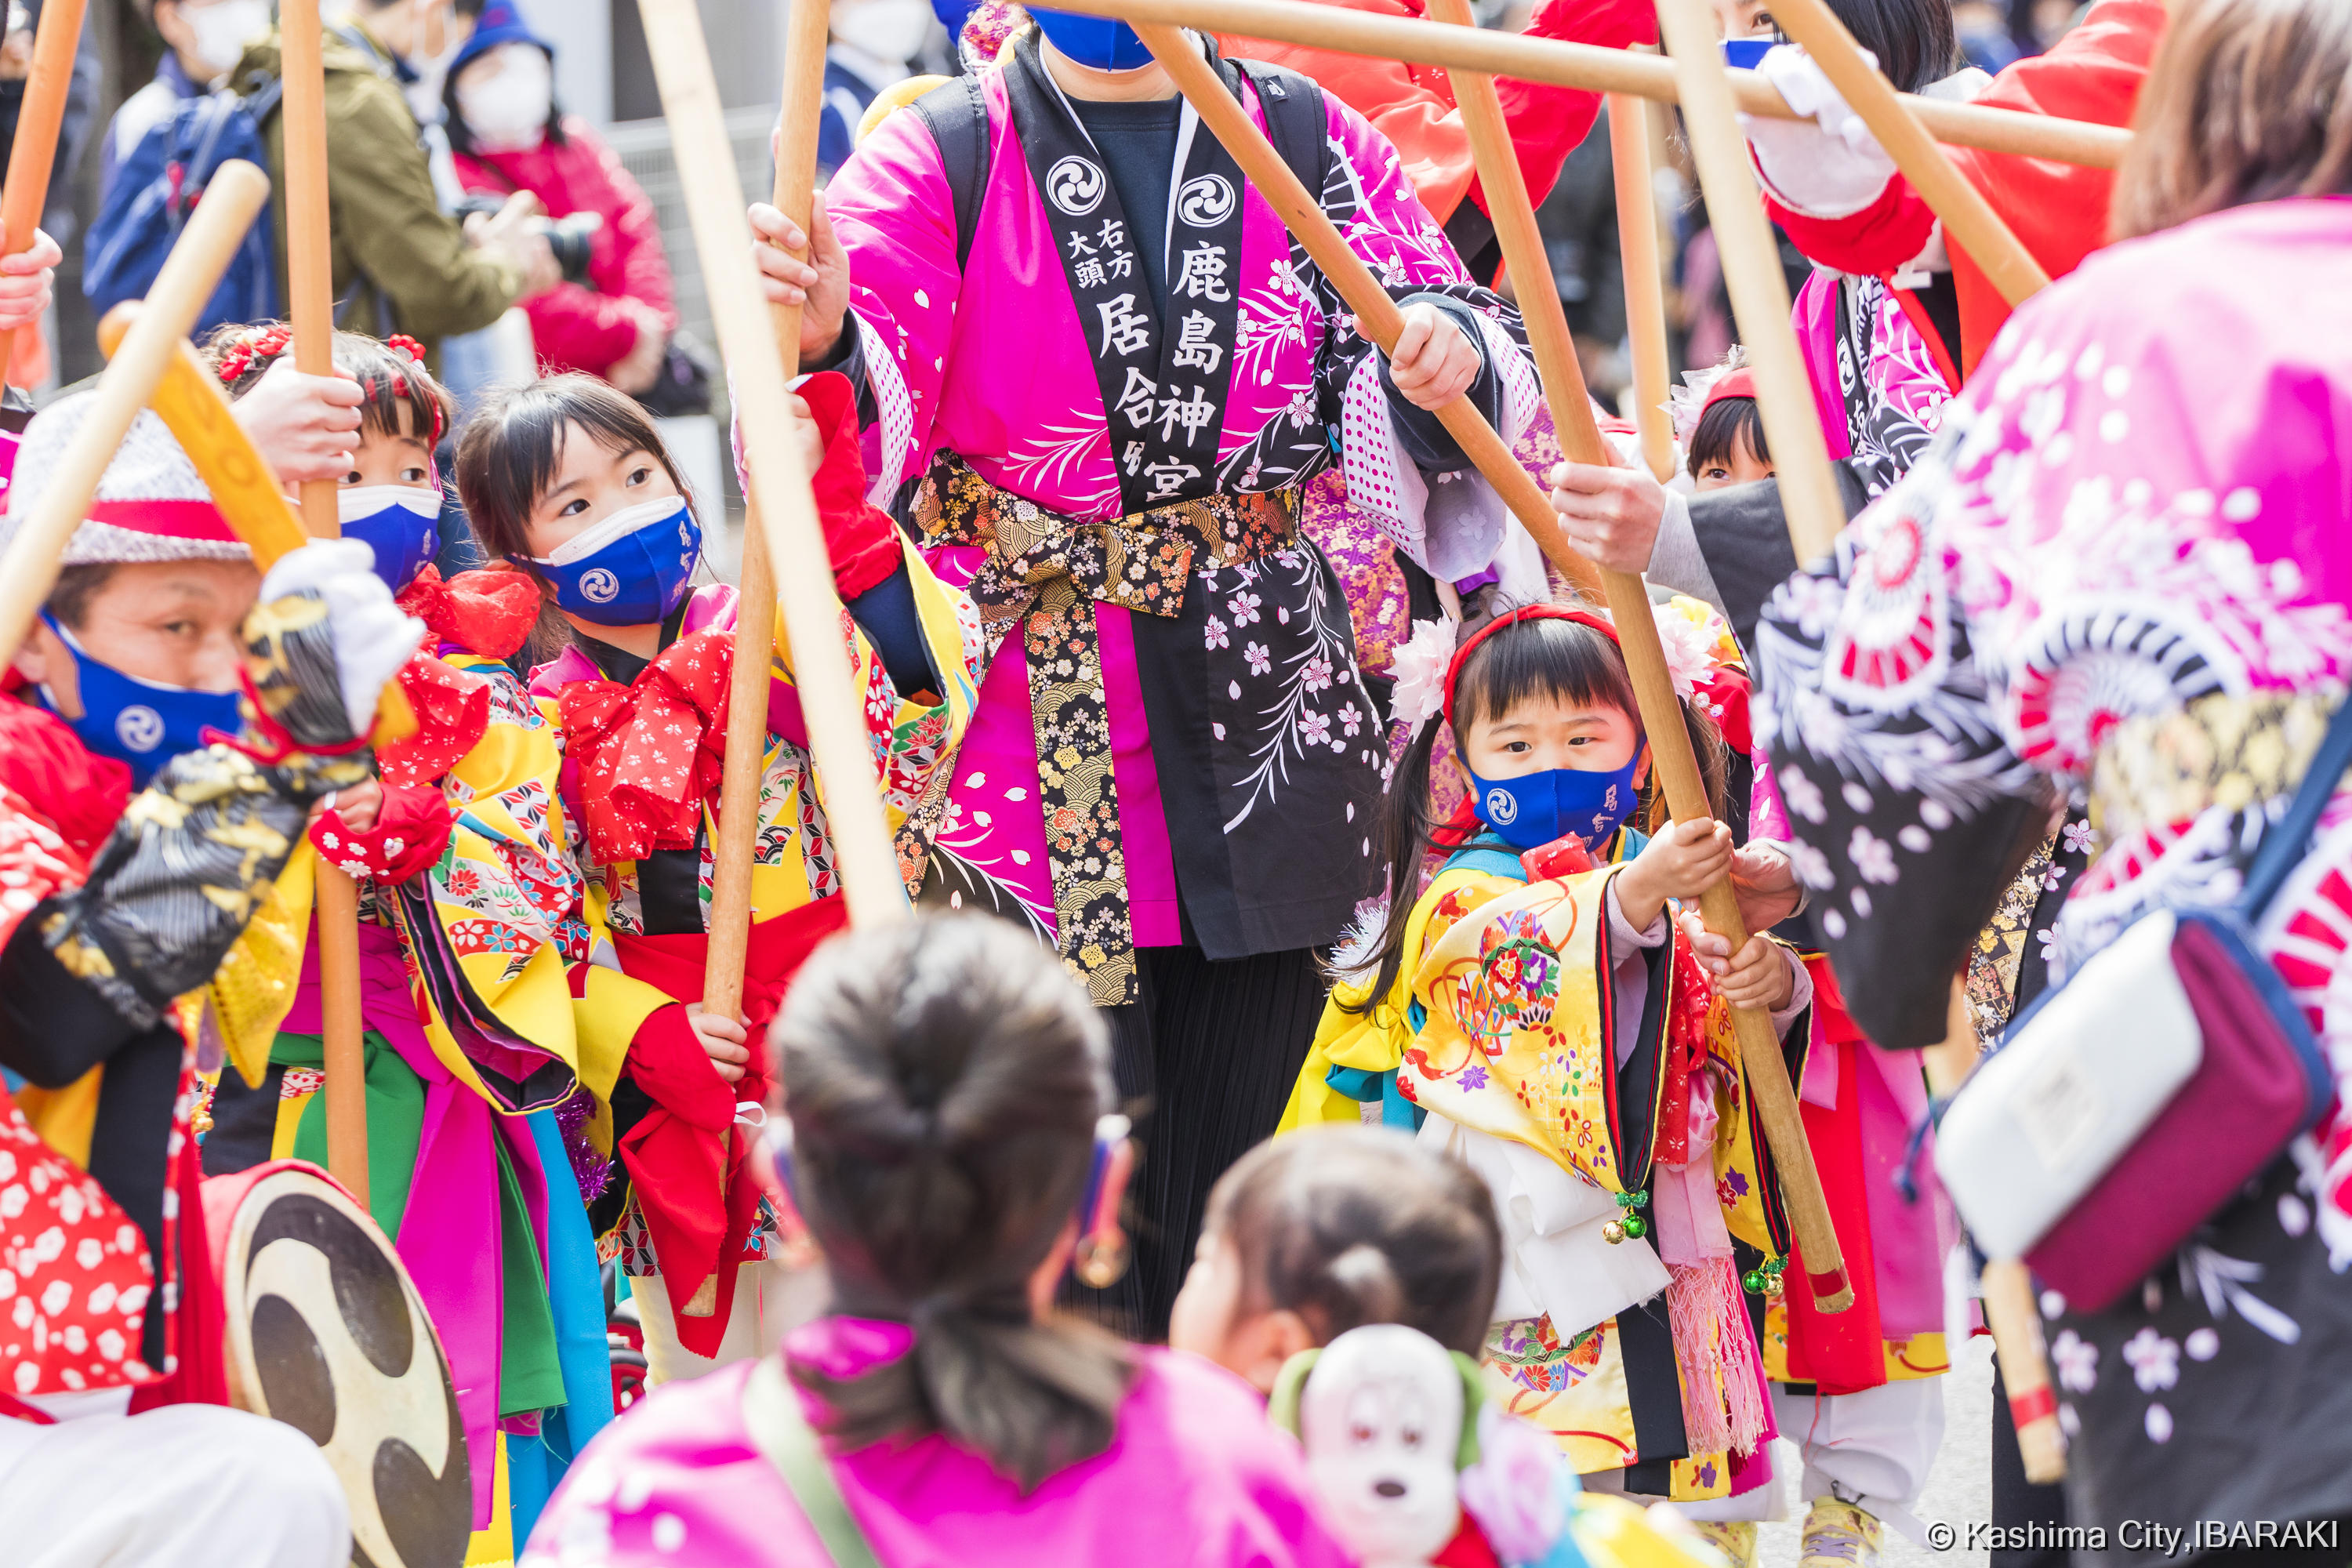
[
  {"x": 888, "y": 29},
  {"x": 505, "y": 96},
  {"x": 223, "y": 30}
]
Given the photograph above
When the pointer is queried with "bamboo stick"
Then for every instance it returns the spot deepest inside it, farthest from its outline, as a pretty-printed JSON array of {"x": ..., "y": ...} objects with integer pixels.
[
  {"x": 1645, "y": 304},
  {"x": 806, "y": 31},
  {"x": 780, "y": 497},
  {"x": 1760, "y": 293},
  {"x": 1596, "y": 69},
  {"x": 2016, "y": 1324},
  {"x": 311, "y": 288},
  {"x": 1968, "y": 219},
  {"x": 1514, "y": 217},
  {"x": 35, "y": 150},
  {"x": 1377, "y": 316},
  {"x": 193, "y": 405},
  {"x": 29, "y": 568}
]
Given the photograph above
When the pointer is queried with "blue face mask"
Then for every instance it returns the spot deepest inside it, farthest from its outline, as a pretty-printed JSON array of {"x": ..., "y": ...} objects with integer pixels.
[
  {"x": 1096, "y": 42},
  {"x": 141, "y": 723},
  {"x": 630, "y": 569},
  {"x": 1534, "y": 809},
  {"x": 399, "y": 523}
]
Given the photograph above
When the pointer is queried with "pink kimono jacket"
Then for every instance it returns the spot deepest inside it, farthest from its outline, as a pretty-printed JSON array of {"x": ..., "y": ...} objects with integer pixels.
[
  {"x": 2123, "y": 565},
  {"x": 1196, "y": 1477},
  {"x": 1245, "y": 756}
]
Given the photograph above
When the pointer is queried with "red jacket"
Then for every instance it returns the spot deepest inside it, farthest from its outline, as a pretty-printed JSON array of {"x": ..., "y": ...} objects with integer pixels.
[
  {"x": 574, "y": 326},
  {"x": 1413, "y": 107},
  {"x": 2058, "y": 210}
]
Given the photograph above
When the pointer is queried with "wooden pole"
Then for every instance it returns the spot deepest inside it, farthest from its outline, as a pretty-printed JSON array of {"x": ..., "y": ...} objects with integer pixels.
[
  {"x": 780, "y": 497},
  {"x": 1595, "y": 70},
  {"x": 190, "y": 274},
  {"x": 1760, "y": 292},
  {"x": 1514, "y": 217},
  {"x": 1968, "y": 219},
  {"x": 1645, "y": 303},
  {"x": 35, "y": 150},
  {"x": 806, "y": 32},
  {"x": 311, "y": 285},
  {"x": 1377, "y": 316},
  {"x": 2016, "y": 1324}
]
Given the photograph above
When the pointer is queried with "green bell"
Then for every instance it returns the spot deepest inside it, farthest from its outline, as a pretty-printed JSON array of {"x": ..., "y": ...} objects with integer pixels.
[
  {"x": 1753, "y": 1281},
  {"x": 1636, "y": 1226}
]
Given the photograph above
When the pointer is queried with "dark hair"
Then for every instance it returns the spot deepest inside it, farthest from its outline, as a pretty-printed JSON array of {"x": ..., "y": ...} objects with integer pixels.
[
  {"x": 388, "y": 378},
  {"x": 944, "y": 1078},
  {"x": 1915, "y": 40},
  {"x": 69, "y": 600},
  {"x": 1720, "y": 430},
  {"x": 2247, "y": 100},
  {"x": 1349, "y": 1225},
  {"x": 1566, "y": 660},
  {"x": 510, "y": 448}
]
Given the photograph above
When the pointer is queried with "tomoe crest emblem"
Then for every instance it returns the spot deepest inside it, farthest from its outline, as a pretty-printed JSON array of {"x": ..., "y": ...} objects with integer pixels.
[
  {"x": 1205, "y": 199},
  {"x": 1076, "y": 185}
]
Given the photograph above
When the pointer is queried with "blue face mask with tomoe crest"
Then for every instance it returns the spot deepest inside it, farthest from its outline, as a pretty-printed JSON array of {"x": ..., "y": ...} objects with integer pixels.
[
  {"x": 399, "y": 522},
  {"x": 1099, "y": 43},
  {"x": 630, "y": 569},
  {"x": 142, "y": 722},
  {"x": 1534, "y": 809}
]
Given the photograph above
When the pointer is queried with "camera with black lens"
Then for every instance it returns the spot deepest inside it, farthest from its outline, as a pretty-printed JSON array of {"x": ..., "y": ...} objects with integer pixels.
[{"x": 572, "y": 238}]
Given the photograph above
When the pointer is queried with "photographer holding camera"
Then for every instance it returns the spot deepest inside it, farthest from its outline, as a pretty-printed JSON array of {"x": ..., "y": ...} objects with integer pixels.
[
  {"x": 612, "y": 315},
  {"x": 400, "y": 264}
]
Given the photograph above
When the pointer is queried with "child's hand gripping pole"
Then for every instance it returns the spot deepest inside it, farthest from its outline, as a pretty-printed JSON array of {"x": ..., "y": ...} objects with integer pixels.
[
  {"x": 189, "y": 275},
  {"x": 1377, "y": 316},
  {"x": 35, "y": 150},
  {"x": 1513, "y": 215}
]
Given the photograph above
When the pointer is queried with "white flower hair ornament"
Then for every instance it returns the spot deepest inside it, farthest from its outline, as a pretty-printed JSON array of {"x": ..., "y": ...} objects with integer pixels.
[
  {"x": 1419, "y": 666},
  {"x": 1689, "y": 647},
  {"x": 1685, "y": 403}
]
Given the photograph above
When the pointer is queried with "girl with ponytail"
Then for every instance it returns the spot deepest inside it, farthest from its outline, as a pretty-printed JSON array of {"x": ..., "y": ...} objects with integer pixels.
[
  {"x": 1539, "y": 1014},
  {"x": 950, "y": 1147}
]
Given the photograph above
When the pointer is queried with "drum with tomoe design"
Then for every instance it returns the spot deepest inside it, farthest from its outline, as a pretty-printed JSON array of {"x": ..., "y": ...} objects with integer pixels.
[{"x": 326, "y": 1333}]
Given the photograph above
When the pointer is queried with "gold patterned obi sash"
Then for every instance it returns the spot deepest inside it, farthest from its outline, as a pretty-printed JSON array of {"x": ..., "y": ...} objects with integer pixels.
[
  {"x": 1046, "y": 571},
  {"x": 2236, "y": 753}
]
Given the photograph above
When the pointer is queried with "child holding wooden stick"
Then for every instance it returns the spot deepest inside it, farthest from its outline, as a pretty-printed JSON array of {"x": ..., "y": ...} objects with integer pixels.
[
  {"x": 567, "y": 483},
  {"x": 475, "y": 1114},
  {"x": 133, "y": 855},
  {"x": 1537, "y": 1000}
]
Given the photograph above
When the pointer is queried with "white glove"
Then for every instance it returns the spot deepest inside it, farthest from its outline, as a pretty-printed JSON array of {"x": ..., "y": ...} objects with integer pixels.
[
  {"x": 1831, "y": 168},
  {"x": 373, "y": 637}
]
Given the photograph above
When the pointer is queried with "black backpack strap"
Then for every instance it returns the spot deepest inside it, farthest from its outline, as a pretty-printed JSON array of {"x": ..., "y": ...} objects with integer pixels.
[
  {"x": 1296, "y": 121},
  {"x": 958, "y": 117}
]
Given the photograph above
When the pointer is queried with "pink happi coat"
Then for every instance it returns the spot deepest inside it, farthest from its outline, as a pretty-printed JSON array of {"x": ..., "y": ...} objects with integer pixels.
[
  {"x": 2123, "y": 565},
  {"x": 1195, "y": 1478},
  {"x": 991, "y": 363}
]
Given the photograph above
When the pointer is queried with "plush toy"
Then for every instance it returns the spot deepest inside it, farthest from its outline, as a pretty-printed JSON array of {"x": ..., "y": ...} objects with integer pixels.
[{"x": 1415, "y": 1467}]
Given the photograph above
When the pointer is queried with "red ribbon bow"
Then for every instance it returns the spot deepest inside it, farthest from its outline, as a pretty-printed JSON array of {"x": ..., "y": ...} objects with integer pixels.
[
  {"x": 650, "y": 754},
  {"x": 485, "y": 613}
]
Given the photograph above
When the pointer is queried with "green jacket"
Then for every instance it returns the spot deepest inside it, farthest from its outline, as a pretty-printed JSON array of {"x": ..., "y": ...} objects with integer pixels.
[{"x": 392, "y": 245}]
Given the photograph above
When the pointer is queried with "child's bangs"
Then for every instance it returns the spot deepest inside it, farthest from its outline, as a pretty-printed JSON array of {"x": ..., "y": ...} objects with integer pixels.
[
  {"x": 1720, "y": 430},
  {"x": 1562, "y": 661}
]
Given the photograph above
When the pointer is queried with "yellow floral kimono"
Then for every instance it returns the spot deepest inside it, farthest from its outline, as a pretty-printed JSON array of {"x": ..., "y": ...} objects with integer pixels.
[{"x": 1508, "y": 1028}]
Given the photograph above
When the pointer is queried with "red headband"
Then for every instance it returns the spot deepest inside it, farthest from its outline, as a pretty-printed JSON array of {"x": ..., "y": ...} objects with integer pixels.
[
  {"x": 1740, "y": 383},
  {"x": 1598, "y": 620}
]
